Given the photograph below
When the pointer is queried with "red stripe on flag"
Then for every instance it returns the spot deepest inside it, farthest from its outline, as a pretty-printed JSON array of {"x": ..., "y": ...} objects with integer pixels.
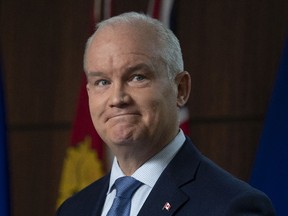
[
  {"x": 83, "y": 125},
  {"x": 156, "y": 9}
]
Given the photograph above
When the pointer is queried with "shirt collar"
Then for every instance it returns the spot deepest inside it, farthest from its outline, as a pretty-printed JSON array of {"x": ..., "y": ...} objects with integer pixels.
[{"x": 151, "y": 170}]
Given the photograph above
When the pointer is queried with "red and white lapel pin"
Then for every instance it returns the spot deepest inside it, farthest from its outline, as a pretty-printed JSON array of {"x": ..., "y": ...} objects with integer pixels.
[{"x": 167, "y": 206}]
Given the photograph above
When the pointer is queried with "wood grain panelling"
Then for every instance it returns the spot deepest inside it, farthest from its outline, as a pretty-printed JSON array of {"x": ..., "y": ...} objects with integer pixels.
[
  {"x": 231, "y": 144},
  {"x": 36, "y": 159},
  {"x": 231, "y": 49},
  {"x": 42, "y": 45}
]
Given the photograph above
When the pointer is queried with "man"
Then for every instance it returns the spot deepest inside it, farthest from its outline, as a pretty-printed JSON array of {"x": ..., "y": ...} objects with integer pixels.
[{"x": 136, "y": 85}]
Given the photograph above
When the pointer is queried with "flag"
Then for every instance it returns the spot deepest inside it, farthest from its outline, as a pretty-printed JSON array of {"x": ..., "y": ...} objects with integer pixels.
[
  {"x": 270, "y": 173},
  {"x": 164, "y": 11},
  {"x": 85, "y": 157},
  {"x": 4, "y": 189}
]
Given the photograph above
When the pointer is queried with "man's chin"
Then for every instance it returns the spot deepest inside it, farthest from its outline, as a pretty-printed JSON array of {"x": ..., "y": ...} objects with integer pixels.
[{"x": 128, "y": 140}]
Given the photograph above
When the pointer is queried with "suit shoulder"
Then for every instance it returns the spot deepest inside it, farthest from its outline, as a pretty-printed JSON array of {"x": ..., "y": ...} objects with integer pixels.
[
  {"x": 210, "y": 185},
  {"x": 86, "y": 200},
  {"x": 221, "y": 188}
]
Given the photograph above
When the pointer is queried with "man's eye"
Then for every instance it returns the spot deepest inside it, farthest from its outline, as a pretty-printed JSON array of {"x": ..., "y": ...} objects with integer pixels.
[
  {"x": 138, "y": 78},
  {"x": 102, "y": 82}
]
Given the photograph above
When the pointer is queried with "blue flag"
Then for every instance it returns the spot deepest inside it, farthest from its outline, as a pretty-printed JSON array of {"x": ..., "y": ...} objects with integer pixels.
[
  {"x": 4, "y": 191},
  {"x": 270, "y": 172}
]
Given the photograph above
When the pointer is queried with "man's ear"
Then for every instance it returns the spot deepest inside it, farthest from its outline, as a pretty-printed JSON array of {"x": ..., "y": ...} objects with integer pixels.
[
  {"x": 88, "y": 88},
  {"x": 183, "y": 82}
]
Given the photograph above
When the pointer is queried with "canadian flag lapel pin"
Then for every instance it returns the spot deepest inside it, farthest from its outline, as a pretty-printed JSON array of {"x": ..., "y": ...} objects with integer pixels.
[{"x": 167, "y": 206}]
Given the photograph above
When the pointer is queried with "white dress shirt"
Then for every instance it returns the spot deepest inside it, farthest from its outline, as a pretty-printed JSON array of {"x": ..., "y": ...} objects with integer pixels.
[{"x": 148, "y": 174}]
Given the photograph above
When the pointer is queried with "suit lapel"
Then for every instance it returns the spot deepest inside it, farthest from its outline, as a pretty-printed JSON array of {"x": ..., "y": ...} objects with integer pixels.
[
  {"x": 99, "y": 196},
  {"x": 167, "y": 196},
  {"x": 162, "y": 201}
]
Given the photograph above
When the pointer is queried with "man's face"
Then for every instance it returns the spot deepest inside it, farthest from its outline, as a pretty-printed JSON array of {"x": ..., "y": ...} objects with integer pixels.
[{"x": 132, "y": 101}]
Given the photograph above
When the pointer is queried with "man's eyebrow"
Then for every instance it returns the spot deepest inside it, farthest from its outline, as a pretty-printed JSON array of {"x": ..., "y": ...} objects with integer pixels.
[
  {"x": 129, "y": 69},
  {"x": 138, "y": 67},
  {"x": 95, "y": 73}
]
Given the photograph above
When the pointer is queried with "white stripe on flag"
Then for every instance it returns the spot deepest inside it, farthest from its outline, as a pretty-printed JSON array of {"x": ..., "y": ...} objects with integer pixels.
[
  {"x": 150, "y": 8},
  {"x": 183, "y": 114},
  {"x": 165, "y": 12}
]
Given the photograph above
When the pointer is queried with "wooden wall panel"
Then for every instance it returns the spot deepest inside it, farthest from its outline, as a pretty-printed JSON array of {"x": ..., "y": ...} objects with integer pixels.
[
  {"x": 42, "y": 46},
  {"x": 231, "y": 49},
  {"x": 35, "y": 160},
  {"x": 231, "y": 144}
]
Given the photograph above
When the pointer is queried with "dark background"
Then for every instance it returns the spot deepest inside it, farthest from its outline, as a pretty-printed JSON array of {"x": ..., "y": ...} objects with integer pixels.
[{"x": 230, "y": 47}]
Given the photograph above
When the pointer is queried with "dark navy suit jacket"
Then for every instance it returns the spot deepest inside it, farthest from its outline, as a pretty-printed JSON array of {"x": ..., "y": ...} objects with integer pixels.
[{"x": 191, "y": 184}]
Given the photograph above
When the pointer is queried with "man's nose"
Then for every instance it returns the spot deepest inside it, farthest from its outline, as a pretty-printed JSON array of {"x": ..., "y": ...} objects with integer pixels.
[{"x": 119, "y": 95}]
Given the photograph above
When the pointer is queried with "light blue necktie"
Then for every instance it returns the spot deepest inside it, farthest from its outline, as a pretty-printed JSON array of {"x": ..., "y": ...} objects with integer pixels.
[{"x": 125, "y": 188}]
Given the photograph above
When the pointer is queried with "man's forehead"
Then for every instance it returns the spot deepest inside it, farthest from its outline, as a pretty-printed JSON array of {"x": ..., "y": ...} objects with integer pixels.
[
  {"x": 126, "y": 68},
  {"x": 115, "y": 44},
  {"x": 141, "y": 33},
  {"x": 110, "y": 44},
  {"x": 121, "y": 61}
]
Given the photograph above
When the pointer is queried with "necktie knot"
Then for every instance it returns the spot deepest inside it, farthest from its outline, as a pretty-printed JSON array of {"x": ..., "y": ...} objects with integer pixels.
[{"x": 125, "y": 188}]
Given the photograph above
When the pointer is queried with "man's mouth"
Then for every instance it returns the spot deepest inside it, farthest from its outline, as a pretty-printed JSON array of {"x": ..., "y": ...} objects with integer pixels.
[{"x": 122, "y": 115}]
